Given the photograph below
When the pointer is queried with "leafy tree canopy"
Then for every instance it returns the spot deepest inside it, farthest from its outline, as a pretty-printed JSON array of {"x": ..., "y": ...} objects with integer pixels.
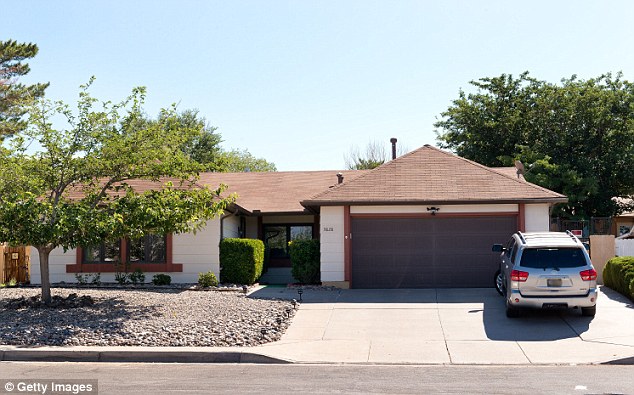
[
  {"x": 14, "y": 96},
  {"x": 205, "y": 149},
  {"x": 79, "y": 188},
  {"x": 242, "y": 160},
  {"x": 576, "y": 137}
]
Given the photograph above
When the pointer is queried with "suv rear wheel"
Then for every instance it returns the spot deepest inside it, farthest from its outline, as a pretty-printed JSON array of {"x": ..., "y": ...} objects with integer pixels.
[
  {"x": 511, "y": 311},
  {"x": 589, "y": 311}
]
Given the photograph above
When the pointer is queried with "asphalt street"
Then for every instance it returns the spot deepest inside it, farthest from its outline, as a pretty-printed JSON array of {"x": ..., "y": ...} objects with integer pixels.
[{"x": 141, "y": 379}]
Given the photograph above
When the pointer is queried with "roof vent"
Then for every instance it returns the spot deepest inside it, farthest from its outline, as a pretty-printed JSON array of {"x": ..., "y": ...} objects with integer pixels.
[{"x": 339, "y": 178}]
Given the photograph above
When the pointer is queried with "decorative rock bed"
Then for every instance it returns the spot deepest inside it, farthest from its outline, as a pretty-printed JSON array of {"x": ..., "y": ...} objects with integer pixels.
[{"x": 133, "y": 317}]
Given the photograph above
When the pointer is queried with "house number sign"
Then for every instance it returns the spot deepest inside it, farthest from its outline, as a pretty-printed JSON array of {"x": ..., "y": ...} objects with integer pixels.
[
  {"x": 15, "y": 255},
  {"x": 328, "y": 229}
]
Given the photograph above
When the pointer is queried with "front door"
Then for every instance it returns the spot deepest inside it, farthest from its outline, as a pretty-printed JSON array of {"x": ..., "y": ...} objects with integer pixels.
[{"x": 276, "y": 239}]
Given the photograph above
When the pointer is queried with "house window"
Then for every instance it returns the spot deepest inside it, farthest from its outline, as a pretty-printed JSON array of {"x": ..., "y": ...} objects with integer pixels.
[
  {"x": 147, "y": 249},
  {"x": 151, "y": 253},
  {"x": 276, "y": 237},
  {"x": 106, "y": 252}
]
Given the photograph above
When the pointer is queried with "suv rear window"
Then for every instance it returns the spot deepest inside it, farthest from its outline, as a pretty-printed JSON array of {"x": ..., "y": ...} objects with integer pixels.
[{"x": 542, "y": 258}]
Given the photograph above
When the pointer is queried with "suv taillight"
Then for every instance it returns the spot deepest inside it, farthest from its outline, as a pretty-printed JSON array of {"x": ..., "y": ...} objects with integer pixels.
[
  {"x": 588, "y": 275},
  {"x": 520, "y": 276}
]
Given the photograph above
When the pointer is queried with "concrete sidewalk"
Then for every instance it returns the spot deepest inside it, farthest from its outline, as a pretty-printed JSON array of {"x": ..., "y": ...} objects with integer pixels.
[{"x": 429, "y": 326}]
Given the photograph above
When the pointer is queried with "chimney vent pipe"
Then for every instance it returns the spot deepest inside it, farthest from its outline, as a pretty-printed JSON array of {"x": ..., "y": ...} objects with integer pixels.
[
  {"x": 339, "y": 178},
  {"x": 393, "y": 141}
]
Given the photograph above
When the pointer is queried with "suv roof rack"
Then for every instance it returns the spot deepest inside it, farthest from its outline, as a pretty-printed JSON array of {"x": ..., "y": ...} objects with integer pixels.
[
  {"x": 521, "y": 237},
  {"x": 572, "y": 235}
]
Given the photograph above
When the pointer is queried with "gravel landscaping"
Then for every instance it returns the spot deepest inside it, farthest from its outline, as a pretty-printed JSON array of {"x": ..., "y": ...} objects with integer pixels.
[{"x": 131, "y": 317}]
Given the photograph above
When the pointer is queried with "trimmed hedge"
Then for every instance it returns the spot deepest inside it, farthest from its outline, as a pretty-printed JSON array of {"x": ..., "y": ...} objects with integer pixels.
[
  {"x": 241, "y": 260},
  {"x": 618, "y": 274},
  {"x": 305, "y": 264}
]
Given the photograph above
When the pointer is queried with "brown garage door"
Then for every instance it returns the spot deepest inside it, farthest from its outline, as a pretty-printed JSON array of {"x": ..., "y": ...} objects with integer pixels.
[{"x": 427, "y": 252}]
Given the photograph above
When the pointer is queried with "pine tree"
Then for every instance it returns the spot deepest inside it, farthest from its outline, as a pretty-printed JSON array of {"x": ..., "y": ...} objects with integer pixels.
[{"x": 13, "y": 95}]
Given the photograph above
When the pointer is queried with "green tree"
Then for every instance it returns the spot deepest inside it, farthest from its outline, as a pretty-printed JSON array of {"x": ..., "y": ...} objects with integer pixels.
[
  {"x": 242, "y": 160},
  {"x": 205, "y": 148},
  {"x": 14, "y": 96},
  {"x": 576, "y": 137},
  {"x": 79, "y": 189}
]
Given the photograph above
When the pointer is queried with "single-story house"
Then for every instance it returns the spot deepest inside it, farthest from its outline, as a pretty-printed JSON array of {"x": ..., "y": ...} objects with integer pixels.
[{"x": 425, "y": 219}]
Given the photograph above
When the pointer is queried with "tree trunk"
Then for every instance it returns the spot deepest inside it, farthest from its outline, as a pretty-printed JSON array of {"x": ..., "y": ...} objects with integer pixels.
[{"x": 44, "y": 252}]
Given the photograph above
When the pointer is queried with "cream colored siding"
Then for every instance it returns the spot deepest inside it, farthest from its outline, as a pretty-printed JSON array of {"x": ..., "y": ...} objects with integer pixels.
[
  {"x": 196, "y": 252},
  {"x": 332, "y": 244},
  {"x": 57, "y": 262},
  {"x": 537, "y": 217}
]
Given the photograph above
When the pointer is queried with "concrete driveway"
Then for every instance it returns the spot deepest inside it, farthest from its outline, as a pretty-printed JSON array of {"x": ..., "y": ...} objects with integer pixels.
[{"x": 447, "y": 326}]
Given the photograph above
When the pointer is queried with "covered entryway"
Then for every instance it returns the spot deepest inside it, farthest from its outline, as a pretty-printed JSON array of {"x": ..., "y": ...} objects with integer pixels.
[{"x": 427, "y": 252}]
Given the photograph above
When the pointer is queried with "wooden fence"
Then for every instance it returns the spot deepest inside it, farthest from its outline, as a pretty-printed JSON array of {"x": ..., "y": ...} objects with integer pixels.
[{"x": 15, "y": 264}]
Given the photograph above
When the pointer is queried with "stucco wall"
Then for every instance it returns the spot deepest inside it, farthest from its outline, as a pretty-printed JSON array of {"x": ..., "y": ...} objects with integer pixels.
[
  {"x": 537, "y": 217},
  {"x": 331, "y": 235},
  {"x": 197, "y": 252},
  {"x": 602, "y": 249}
]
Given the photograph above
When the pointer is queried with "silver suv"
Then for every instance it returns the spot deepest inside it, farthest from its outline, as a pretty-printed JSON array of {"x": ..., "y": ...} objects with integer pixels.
[{"x": 546, "y": 270}]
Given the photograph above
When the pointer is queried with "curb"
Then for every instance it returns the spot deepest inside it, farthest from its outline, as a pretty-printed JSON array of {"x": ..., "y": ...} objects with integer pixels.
[
  {"x": 234, "y": 357},
  {"x": 30, "y": 355}
]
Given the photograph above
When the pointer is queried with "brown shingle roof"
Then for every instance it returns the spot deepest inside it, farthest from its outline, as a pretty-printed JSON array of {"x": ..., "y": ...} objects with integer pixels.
[
  {"x": 138, "y": 185},
  {"x": 271, "y": 192},
  {"x": 509, "y": 171},
  {"x": 430, "y": 175},
  {"x": 276, "y": 192}
]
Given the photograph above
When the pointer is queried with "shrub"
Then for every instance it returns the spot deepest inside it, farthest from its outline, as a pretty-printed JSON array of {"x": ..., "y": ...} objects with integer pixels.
[
  {"x": 88, "y": 278},
  {"x": 121, "y": 278},
  {"x": 618, "y": 274},
  {"x": 305, "y": 260},
  {"x": 12, "y": 283},
  {"x": 241, "y": 260},
  {"x": 161, "y": 279},
  {"x": 137, "y": 276},
  {"x": 207, "y": 279},
  {"x": 82, "y": 279}
]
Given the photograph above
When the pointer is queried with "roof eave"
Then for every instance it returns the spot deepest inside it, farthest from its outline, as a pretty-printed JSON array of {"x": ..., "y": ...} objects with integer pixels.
[
  {"x": 258, "y": 213},
  {"x": 365, "y": 202}
]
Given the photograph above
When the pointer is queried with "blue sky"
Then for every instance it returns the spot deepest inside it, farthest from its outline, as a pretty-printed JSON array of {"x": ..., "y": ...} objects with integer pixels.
[{"x": 300, "y": 82}]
